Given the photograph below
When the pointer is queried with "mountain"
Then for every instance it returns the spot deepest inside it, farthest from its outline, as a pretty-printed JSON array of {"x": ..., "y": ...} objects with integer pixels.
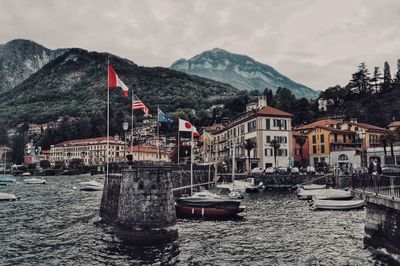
[
  {"x": 241, "y": 72},
  {"x": 74, "y": 84},
  {"x": 21, "y": 58}
]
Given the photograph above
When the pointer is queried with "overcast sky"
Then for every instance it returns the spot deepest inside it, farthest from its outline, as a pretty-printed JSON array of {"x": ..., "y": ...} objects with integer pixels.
[{"x": 315, "y": 42}]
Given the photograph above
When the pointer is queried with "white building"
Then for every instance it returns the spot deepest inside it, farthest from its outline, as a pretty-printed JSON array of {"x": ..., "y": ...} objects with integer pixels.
[
  {"x": 92, "y": 151},
  {"x": 378, "y": 152},
  {"x": 323, "y": 104},
  {"x": 261, "y": 126}
]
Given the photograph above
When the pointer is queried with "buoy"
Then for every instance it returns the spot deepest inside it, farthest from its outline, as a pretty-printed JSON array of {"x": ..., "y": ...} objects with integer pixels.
[{"x": 74, "y": 188}]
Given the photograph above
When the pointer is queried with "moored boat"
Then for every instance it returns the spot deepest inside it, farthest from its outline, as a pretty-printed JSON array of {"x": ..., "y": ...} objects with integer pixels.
[
  {"x": 313, "y": 186},
  {"x": 207, "y": 205},
  {"x": 34, "y": 181},
  {"x": 7, "y": 197},
  {"x": 91, "y": 186},
  {"x": 337, "y": 204},
  {"x": 327, "y": 194},
  {"x": 7, "y": 180}
]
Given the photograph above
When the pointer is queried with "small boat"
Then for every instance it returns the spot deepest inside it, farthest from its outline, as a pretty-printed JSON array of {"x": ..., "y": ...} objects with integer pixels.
[
  {"x": 337, "y": 204},
  {"x": 327, "y": 194},
  {"x": 7, "y": 197},
  {"x": 91, "y": 186},
  {"x": 26, "y": 174},
  {"x": 34, "y": 181},
  {"x": 207, "y": 205},
  {"x": 227, "y": 193},
  {"x": 4, "y": 181},
  {"x": 314, "y": 186}
]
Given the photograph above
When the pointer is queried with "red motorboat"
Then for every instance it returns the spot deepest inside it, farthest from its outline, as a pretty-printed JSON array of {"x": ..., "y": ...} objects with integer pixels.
[{"x": 207, "y": 205}]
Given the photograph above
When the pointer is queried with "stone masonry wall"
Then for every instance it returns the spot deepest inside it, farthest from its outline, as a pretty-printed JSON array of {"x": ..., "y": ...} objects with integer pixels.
[{"x": 382, "y": 225}]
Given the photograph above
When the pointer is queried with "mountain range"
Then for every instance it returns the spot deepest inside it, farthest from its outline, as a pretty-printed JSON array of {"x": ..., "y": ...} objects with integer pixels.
[
  {"x": 73, "y": 83},
  {"x": 21, "y": 58},
  {"x": 240, "y": 71}
]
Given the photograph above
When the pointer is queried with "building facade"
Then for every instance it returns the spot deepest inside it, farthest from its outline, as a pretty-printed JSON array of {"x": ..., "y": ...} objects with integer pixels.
[
  {"x": 93, "y": 151},
  {"x": 149, "y": 153},
  {"x": 261, "y": 127}
]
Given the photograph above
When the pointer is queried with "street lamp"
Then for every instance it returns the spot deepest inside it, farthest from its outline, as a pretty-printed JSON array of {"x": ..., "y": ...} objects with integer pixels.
[
  {"x": 361, "y": 136},
  {"x": 125, "y": 127}
]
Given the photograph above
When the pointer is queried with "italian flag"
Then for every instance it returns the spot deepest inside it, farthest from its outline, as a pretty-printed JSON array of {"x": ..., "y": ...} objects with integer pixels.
[{"x": 114, "y": 81}]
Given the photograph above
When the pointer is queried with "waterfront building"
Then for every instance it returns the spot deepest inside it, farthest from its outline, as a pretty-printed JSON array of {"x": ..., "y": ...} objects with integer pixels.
[
  {"x": 148, "y": 153},
  {"x": 260, "y": 126},
  {"x": 329, "y": 135},
  {"x": 385, "y": 159},
  {"x": 92, "y": 151},
  {"x": 300, "y": 154},
  {"x": 3, "y": 151}
]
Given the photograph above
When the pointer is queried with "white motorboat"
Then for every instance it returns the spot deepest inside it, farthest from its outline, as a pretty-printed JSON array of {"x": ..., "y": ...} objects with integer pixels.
[
  {"x": 34, "y": 181},
  {"x": 327, "y": 194},
  {"x": 26, "y": 174},
  {"x": 313, "y": 186},
  {"x": 7, "y": 196},
  {"x": 91, "y": 186},
  {"x": 337, "y": 204}
]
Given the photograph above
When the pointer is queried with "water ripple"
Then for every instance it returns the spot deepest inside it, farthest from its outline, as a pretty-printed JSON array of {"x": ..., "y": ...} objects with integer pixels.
[{"x": 56, "y": 225}]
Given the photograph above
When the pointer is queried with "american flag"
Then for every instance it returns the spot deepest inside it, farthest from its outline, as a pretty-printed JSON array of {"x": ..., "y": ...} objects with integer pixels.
[{"x": 137, "y": 104}]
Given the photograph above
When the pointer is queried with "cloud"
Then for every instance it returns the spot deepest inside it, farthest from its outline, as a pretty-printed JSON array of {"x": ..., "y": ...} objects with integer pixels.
[{"x": 315, "y": 42}]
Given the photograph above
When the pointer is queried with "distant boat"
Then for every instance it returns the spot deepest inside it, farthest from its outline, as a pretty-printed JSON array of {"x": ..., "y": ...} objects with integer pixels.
[
  {"x": 337, "y": 204},
  {"x": 207, "y": 205},
  {"x": 26, "y": 174},
  {"x": 7, "y": 179},
  {"x": 34, "y": 181},
  {"x": 314, "y": 186},
  {"x": 327, "y": 194},
  {"x": 7, "y": 197},
  {"x": 91, "y": 186}
]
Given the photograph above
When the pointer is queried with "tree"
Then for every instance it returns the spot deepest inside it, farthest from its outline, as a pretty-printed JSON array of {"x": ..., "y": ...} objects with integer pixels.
[
  {"x": 301, "y": 140},
  {"x": 383, "y": 141},
  {"x": 377, "y": 76},
  {"x": 275, "y": 145},
  {"x": 391, "y": 139},
  {"x": 248, "y": 146},
  {"x": 361, "y": 80},
  {"x": 397, "y": 77},
  {"x": 387, "y": 77},
  {"x": 3, "y": 136},
  {"x": 76, "y": 163}
]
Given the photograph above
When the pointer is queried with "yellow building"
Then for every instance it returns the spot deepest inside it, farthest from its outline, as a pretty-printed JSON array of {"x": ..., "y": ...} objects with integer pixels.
[{"x": 323, "y": 140}]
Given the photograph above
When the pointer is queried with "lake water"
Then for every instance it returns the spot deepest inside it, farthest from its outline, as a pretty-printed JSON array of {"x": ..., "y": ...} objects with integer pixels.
[{"x": 53, "y": 224}]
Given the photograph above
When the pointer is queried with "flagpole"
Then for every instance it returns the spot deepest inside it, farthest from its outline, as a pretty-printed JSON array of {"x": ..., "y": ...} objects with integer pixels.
[
  {"x": 108, "y": 115},
  {"x": 158, "y": 133},
  {"x": 191, "y": 163},
  {"x": 132, "y": 120},
  {"x": 179, "y": 143}
]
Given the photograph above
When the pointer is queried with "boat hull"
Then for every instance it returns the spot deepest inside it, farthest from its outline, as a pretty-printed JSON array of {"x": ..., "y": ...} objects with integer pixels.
[
  {"x": 199, "y": 208},
  {"x": 34, "y": 181},
  {"x": 338, "y": 205},
  {"x": 7, "y": 197}
]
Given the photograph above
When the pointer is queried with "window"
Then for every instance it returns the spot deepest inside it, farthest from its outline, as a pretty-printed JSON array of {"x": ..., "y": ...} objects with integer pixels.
[
  {"x": 314, "y": 149},
  {"x": 280, "y": 139},
  {"x": 268, "y": 140},
  {"x": 280, "y": 123},
  {"x": 242, "y": 129},
  {"x": 268, "y": 152},
  {"x": 322, "y": 148},
  {"x": 282, "y": 152},
  {"x": 322, "y": 138},
  {"x": 268, "y": 123},
  {"x": 343, "y": 157},
  {"x": 335, "y": 137},
  {"x": 251, "y": 126},
  {"x": 322, "y": 159},
  {"x": 389, "y": 160},
  {"x": 314, "y": 139}
]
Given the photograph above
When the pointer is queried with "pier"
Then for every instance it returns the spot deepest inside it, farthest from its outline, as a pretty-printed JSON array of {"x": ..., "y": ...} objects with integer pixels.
[
  {"x": 138, "y": 198},
  {"x": 382, "y": 225}
]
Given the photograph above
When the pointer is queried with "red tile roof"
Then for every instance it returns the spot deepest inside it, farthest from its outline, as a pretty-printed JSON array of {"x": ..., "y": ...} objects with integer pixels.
[
  {"x": 86, "y": 141},
  {"x": 146, "y": 149},
  {"x": 271, "y": 111},
  {"x": 319, "y": 123},
  {"x": 368, "y": 126}
]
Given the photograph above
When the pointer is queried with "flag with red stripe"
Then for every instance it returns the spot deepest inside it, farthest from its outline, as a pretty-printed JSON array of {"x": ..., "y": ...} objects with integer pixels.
[
  {"x": 137, "y": 104},
  {"x": 114, "y": 81}
]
